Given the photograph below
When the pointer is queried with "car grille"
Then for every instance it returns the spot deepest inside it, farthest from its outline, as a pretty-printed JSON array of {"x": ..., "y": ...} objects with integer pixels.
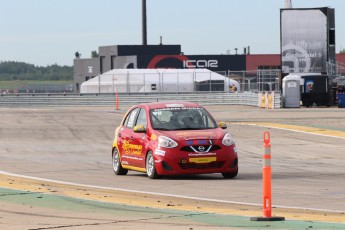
[
  {"x": 190, "y": 150},
  {"x": 215, "y": 164}
]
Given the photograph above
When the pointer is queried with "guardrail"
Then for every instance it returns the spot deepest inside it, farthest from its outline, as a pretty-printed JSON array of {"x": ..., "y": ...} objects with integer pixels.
[{"x": 240, "y": 98}]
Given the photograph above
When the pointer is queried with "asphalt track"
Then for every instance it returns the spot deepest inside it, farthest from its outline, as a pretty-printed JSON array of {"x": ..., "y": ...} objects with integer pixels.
[{"x": 56, "y": 173}]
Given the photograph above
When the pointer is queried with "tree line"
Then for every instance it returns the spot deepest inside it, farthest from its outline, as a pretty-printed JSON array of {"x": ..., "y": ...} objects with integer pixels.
[{"x": 12, "y": 70}]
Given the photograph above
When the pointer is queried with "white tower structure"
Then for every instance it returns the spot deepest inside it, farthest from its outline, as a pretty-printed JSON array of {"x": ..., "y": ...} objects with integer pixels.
[{"x": 288, "y": 4}]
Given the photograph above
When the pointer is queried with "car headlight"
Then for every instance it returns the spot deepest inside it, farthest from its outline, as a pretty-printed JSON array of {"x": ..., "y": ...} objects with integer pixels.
[
  {"x": 166, "y": 142},
  {"x": 227, "y": 140}
]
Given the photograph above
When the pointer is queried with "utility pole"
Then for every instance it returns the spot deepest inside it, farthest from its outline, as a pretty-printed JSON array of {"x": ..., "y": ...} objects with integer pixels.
[{"x": 144, "y": 22}]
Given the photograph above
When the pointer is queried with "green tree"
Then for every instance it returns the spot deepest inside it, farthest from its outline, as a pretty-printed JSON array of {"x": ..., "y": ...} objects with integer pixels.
[
  {"x": 94, "y": 54},
  {"x": 11, "y": 70},
  {"x": 342, "y": 51}
]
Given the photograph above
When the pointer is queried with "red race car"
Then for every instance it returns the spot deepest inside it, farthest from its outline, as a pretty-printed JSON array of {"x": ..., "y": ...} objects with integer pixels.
[{"x": 173, "y": 138}]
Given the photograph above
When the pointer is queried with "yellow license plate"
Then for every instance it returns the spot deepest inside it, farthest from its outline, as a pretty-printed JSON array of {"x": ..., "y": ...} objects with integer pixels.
[{"x": 202, "y": 159}]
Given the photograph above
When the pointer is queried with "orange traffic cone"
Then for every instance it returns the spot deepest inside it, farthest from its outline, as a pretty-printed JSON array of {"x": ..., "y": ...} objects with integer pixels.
[{"x": 267, "y": 184}]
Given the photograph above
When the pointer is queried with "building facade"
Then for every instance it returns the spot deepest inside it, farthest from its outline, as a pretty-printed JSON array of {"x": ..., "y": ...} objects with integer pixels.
[{"x": 243, "y": 67}]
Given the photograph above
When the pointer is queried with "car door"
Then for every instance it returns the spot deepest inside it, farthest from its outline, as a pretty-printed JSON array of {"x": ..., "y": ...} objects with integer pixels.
[
  {"x": 125, "y": 138},
  {"x": 139, "y": 140}
]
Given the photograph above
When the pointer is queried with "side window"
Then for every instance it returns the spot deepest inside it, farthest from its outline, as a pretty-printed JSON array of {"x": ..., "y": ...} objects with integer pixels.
[
  {"x": 142, "y": 118},
  {"x": 130, "y": 119}
]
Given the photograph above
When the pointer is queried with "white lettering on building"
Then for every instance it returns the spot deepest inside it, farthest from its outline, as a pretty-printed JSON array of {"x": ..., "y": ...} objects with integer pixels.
[{"x": 200, "y": 63}]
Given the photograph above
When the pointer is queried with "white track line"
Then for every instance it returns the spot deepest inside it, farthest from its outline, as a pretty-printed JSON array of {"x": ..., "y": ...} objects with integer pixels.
[{"x": 160, "y": 194}]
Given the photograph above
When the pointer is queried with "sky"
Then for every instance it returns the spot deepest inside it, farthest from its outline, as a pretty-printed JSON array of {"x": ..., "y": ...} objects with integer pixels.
[{"x": 47, "y": 32}]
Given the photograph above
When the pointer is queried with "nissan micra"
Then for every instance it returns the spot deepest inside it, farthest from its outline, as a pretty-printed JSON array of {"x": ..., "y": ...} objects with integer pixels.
[{"x": 173, "y": 138}]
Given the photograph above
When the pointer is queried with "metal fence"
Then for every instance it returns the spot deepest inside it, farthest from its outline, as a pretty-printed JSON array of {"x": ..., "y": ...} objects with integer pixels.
[
  {"x": 256, "y": 99},
  {"x": 257, "y": 80},
  {"x": 336, "y": 70},
  {"x": 262, "y": 80},
  {"x": 235, "y": 81},
  {"x": 248, "y": 81},
  {"x": 38, "y": 88}
]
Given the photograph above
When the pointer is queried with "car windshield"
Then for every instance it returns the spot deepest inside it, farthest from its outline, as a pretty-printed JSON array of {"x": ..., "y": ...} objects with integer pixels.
[{"x": 181, "y": 118}]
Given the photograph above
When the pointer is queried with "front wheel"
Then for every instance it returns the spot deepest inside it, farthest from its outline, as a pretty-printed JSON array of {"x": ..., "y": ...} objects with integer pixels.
[
  {"x": 230, "y": 175},
  {"x": 150, "y": 166},
  {"x": 117, "y": 167}
]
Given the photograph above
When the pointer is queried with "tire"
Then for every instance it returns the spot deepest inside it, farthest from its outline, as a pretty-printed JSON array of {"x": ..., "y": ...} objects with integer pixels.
[
  {"x": 117, "y": 167},
  {"x": 150, "y": 166},
  {"x": 230, "y": 175}
]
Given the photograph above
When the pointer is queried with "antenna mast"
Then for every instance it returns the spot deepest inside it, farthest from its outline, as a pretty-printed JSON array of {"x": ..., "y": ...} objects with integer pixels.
[{"x": 287, "y": 4}]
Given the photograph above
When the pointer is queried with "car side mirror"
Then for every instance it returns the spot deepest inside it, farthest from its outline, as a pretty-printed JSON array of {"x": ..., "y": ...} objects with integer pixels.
[
  {"x": 139, "y": 129},
  {"x": 222, "y": 125}
]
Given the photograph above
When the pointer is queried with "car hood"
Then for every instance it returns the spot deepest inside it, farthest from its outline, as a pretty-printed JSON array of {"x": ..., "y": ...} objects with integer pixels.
[{"x": 180, "y": 135}]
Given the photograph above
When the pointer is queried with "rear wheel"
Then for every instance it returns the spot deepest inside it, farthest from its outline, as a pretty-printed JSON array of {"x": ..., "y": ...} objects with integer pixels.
[
  {"x": 117, "y": 167},
  {"x": 150, "y": 166},
  {"x": 230, "y": 175}
]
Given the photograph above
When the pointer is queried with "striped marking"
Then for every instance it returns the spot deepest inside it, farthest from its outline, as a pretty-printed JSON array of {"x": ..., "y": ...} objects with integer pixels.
[
  {"x": 267, "y": 162},
  {"x": 299, "y": 129},
  {"x": 267, "y": 151}
]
